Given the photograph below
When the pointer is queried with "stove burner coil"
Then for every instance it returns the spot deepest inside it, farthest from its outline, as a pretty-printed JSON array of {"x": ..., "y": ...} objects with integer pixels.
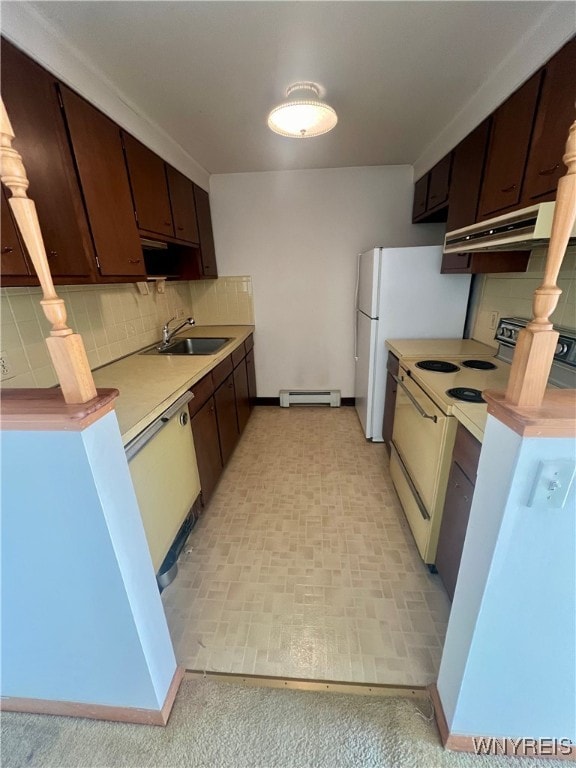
[
  {"x": 480, "y": 365},
  {"x": 467, "y": 394},
  {"x": 439, "y": 366}
]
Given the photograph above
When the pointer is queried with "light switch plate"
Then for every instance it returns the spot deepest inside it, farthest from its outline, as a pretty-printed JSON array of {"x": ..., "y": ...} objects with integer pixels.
[{"x": 552, "y": 483}]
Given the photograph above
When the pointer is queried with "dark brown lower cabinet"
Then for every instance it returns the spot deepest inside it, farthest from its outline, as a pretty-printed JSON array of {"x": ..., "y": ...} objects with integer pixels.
[
  {"x": 392, "y": 366},
  {"x": 251, "y": 374},
  {"x": 207, "y": 444},
  {"x": 457, "y": 506},
  {"x": 242, "y": 395},
  {"x": 225, "y": 399},
  {"x": 219, "y": 412}
]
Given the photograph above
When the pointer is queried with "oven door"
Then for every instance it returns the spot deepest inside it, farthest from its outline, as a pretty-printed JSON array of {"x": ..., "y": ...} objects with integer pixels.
[
  {"x": 419, "y": 437},
  {"x": 421, "y": 450}
]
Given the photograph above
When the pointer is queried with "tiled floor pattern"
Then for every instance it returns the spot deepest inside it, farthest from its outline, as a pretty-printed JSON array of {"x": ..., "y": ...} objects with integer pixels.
[{"x": 303, "y": 564}]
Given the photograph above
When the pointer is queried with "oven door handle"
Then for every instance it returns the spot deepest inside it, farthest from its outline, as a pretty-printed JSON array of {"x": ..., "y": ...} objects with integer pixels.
[{"x": 413, "y": 400}]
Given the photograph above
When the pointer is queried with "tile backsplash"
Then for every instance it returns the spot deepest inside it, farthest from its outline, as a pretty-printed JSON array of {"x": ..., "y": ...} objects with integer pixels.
[
  {"x": 510, "y": 295},
  {"x": 114, "y": 320},
  {"x": 216, "y": 301}
]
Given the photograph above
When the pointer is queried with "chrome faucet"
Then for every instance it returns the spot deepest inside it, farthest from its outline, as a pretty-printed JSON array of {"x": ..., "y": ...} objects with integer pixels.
[{"x": 167, "y": 334}]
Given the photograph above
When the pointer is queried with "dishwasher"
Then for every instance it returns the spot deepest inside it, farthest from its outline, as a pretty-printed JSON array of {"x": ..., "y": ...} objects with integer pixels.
[{"x": 162, "y": 463}]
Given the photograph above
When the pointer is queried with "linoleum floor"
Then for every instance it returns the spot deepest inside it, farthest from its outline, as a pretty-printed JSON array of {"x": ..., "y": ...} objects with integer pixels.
[{"x": 303, "y": 565}]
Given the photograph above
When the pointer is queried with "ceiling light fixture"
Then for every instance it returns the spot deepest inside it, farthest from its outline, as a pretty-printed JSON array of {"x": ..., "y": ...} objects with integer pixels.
[{"x": 304, "y": 115}]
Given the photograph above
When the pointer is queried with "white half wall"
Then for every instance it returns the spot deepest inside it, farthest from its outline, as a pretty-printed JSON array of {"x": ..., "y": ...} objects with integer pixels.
[{"x": 298, "y": 234}]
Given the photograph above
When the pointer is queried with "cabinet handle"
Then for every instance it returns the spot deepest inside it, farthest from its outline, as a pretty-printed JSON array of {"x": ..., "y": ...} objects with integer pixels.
[
  {"x": 180, "y": 229},
  {"x": 548, "y": 171},
  {"x": 508, "y": 189},
  {"x": 433, "y": 197},
  {"x": 465, "y": 498},
  {"x": 133, "y": 261},
  {"x": 51, "y": 254},
  {"x": 7, "y": 249},
  {"x": 168, "y": 223}
]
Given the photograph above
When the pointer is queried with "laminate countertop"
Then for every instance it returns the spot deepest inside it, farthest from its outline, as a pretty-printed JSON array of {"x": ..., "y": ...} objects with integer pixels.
[
  {"x": 149, "y": 384},
  {"x": 438, "y": 348}
]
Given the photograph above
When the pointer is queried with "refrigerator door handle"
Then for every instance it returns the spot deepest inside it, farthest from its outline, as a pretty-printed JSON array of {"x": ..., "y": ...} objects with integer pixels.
[{"x": 356, "y": 307}]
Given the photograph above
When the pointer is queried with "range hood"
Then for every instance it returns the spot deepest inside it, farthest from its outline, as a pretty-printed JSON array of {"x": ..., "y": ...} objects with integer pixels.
[{"x": 516, "y": 231}]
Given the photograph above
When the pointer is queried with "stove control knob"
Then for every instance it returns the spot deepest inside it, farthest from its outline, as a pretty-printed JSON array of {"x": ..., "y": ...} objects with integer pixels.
[
  {"x": 514, "y": 334},
  {"x": 506, "y": 332},
  {"x": 561, "y": 348}
]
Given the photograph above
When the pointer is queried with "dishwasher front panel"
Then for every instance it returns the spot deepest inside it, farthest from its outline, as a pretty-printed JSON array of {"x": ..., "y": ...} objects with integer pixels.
[{"x": 165, "y": 477}]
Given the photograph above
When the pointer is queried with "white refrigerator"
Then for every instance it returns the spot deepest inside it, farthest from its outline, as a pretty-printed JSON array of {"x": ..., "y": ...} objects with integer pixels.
[{"x": 400, "y": 294}]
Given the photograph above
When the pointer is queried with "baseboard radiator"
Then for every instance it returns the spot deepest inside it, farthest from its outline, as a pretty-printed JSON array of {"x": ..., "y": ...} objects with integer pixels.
[{"x": 329, "y": 397}]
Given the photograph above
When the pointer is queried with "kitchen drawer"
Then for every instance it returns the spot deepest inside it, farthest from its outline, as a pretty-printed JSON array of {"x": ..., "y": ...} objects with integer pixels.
[
  {"x": 467, "y": 452},
  {"x": 238, "y": 355},
  {"x": 202, "y": 390},
  {"x": 249, "y": 343},
  {"x": 419, "y": 526},
  {"x": 222, "y": 371}
]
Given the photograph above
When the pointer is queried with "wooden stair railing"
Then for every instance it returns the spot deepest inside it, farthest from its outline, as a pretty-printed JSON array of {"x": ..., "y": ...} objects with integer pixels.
[
  {"x": 537, "y": 342},
  {"x": 66, "y": 348}
]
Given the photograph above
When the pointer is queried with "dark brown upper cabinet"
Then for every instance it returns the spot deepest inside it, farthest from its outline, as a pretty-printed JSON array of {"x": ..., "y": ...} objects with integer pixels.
[
  {"x": 97, "y": 148},
  {"x": 434, "y": 187},
  {"x": 12, "y": 259},
  {"x": 183, "y": 206},
  {"x": 207, "y": 251},
  {"x": 553, "y": 119},
  {"x": 466, "y": 180},
  {"x": 30, "y": 95},
  {"x": 420, "y": 197},
  {"x": 508, "y": 150},
  {"x": 149, "y": 188}
]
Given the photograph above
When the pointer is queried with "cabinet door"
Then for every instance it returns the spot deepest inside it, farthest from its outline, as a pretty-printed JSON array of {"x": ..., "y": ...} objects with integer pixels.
[
  {"x": 242, "y": 395},
  {"x": 439, "y": 184},
  {"x": 553, "y": 119},
  {"x": 149, "y": 187},
  {"x": 207, "y": 444},
  {"x": 225, "y": 399},
  {"x": 389, "y": 406},
  {"x": 251, "y": 374},
  {"x": 453, "y": 528},
  {"x": 508, "y": 149},
  {"x": 12, "y": 260},
  {"x": 183, "y": 206},
  {"x": 208, "y": 254},
  {"x": 31, "y": 99},
  {"x": 467, "y": 170},
  {"x": 99, "y": 158},
  {"x": 420, "y": 197}
]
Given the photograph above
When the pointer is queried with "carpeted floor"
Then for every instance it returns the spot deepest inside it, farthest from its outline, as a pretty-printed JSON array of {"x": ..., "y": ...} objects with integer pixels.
[{"x": 222, "y": 725}]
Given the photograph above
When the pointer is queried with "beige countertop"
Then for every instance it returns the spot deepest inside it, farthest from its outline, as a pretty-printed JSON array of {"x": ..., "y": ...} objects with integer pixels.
[
  {"x": 149, "y": 384},
  {"x": 438, "y": 347},
  {"x": 473, "y": 416}
]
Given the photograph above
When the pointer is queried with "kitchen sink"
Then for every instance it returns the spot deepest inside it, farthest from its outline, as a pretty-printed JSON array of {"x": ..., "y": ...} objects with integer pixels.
[{"x": 188, "y": 346}]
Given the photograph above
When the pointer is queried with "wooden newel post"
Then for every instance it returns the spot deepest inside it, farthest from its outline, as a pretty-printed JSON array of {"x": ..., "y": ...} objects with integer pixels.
[
  {"x": 537, "y": 342},
  {"x": 66, "y": 348}
]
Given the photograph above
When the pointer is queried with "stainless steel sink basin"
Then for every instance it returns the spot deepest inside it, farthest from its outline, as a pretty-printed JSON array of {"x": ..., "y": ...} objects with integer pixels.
[{"x": 189, "y": 346}]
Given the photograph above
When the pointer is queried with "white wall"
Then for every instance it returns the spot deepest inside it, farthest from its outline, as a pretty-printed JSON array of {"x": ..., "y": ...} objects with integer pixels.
[{"x": 298, "y": 233}]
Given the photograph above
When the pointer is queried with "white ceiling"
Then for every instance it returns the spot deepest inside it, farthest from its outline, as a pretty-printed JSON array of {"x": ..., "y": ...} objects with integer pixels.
[{"x": 208, "y": 72}]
